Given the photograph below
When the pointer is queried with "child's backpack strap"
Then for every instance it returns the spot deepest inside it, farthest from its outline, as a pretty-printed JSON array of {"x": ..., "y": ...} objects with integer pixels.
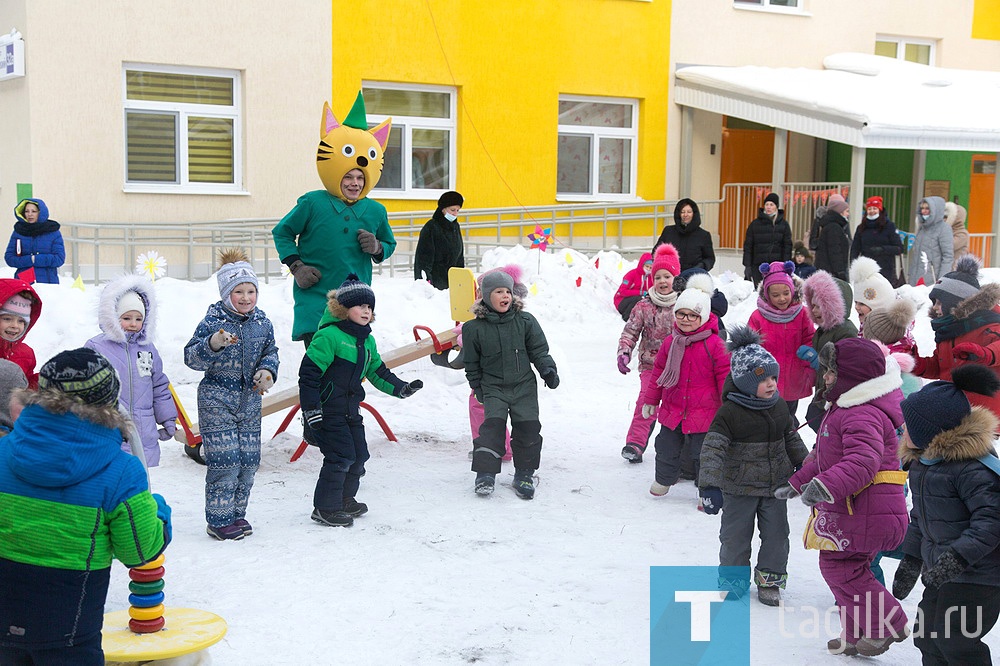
[{"x": 989, "y": 460}]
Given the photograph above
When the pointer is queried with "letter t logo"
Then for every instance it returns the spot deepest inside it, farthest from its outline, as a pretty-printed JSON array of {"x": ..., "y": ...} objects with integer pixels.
[{"x": 701, "y": 611}]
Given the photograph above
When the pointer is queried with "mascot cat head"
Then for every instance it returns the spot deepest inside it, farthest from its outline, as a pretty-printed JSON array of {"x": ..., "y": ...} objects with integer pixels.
[{"x": 350, "y": 145}]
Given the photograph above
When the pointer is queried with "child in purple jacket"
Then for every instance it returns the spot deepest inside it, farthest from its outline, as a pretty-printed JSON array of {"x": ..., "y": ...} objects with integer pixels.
[{"x": 127, "y": 315}]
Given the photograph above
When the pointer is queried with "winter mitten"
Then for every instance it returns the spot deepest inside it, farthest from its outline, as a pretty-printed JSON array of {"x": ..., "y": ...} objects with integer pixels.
[
  {"x": 786, "y": 492},
  {"x": 167, "y": 431},
  {"x": 314, "y": 417},
  {"x": 551, "y": 378},
  {"x": 748, "y": 274},
  {"x": 711, "y": 500},
  {"x": 648, "y": 411},
  {"x": 623, "y": 360},
  {"x": 163, "y": 513},
  {"x": 945, "y": 570},
  {"x": 262, "y": 381},
  {"x": 809, "y": 355},
  {"x": 409, "y": 389},
  {"x": 478, "y": 392},
  {"x": 222, "y": 339},
  {"x": 970, "y": 351},
  {"x": 815, "y": 492},
  {"x": 369, "y": 244},
  {"x": 906, "y": 576},
  {"x": 305, "y": 276}
]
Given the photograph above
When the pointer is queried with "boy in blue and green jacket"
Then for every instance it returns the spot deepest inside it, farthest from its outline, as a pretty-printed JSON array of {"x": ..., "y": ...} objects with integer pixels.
[
  {"x": 70, "y": 501},
  {"x": 339, "y": 357}
]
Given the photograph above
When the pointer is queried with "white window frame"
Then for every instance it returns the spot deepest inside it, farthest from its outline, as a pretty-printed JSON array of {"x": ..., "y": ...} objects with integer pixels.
[
  {"x": 901, "y": 43},
  {"x": 183, "y": 111},
  {"x": 596, "y": 134},
  {"x": 410, "y": 123},
  {"x": 766, "y": 6}
]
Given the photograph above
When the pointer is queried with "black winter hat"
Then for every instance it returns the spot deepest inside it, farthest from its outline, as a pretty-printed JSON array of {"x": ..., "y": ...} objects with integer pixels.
[
  {"x": 773, "y": 198},
  {"x": 942, "y": 405},
  {"x": 450, "y": 199},
  {"x": 355, "y": 292},
  {"x": 81, "y": 373}
]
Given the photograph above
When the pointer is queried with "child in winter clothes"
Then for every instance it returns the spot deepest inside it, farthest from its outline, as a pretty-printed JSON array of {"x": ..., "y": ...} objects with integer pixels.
[
  {"x": 852, "y": 481},
  {"x": 70, "y": 502},
  {"x": 634, "y": 285},
  {"x": 892, "y": 326},
  {"x": 785, "y": 327},
  {"x": 827, "y": 302},
  {"x": 19, "y": 312},
  {"x": 803, "y": 260},
  {"x": 341, "y": 355},
  {"x": 234, "y": 345},
  {"x": 685, "y": 388},
  {"x": 650, "y": 322},
  {"x": 127, "y": 315},
  {"x": 500, "y": 343},
  {"x": 750, "y": 451},
  {"x": 720, "y": 304},
  {"x": 11, "y": 379},
  {"x": 871, "y": 289},
  {"x": 954, "y": 530}
]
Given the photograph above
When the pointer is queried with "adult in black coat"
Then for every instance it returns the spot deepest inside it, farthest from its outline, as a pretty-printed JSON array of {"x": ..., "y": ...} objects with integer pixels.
[
  {"x": 877, "y": 238},
  {"x": 694, "y": 244},
  {"x": 440, "y": 245},
  {"x": 768, "y": 238},
  {"x": 834, "y": 245}
]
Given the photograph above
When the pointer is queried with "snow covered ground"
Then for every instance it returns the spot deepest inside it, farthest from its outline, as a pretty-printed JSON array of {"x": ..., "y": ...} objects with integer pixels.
[{"x": 434, "y": 574}]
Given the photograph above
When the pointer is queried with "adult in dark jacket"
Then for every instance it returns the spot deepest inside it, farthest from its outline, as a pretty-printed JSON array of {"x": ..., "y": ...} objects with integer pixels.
[
  {"x": 35, "y": 243},
  {"x": 955, "y": 521},
  {"x": 833, "y": 248},
  {"x": 768, "y": 238},
  {"x": 876, "y": 237},
  {"x": 694, "y": 244},
  {"x": 440, "y": 245}
]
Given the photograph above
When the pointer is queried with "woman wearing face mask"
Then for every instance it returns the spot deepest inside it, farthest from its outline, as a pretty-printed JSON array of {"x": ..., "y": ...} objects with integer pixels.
[
  {"x": 933, "y": 248},
  {"x": 876, "y": 237},
  {"x": 440, "y": 245}
]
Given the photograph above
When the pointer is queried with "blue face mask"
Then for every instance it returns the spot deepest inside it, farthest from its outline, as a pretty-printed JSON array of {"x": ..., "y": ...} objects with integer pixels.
[{"x": 450, "y": 217}]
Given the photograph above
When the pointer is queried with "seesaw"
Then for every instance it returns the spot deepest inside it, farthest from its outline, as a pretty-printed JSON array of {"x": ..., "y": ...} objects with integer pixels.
[{"x": 462, "y": 294}]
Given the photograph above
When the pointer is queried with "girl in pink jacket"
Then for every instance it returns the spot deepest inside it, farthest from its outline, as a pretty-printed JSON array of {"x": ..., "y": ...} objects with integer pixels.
[
  {"x": 684, "y": 390},
  {"x": 634, "y": 285},
  {"x": 784, "y": 327},
  {"x": 651, "y": 321}
]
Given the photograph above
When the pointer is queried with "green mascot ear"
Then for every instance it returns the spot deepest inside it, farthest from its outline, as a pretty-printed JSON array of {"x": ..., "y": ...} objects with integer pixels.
[{"x": 357, "y": 118}]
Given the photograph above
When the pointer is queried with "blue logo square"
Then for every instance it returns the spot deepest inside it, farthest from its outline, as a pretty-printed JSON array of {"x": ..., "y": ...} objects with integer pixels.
[{"x": 699, "y": 615}]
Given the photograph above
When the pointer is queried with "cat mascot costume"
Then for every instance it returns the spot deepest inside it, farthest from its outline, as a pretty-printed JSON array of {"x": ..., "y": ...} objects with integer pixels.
[{"x": 336, "y": 231}]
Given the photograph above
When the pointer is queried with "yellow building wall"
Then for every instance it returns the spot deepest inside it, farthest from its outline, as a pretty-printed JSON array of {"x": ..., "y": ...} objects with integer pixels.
[
  {"x": 986, "y": 20},
  {"x": 509, "y": 62}
]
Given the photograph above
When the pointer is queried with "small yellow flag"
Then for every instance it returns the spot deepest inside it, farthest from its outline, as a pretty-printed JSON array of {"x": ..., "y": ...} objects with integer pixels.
[
  {"x": 569, "y": 259},
  {"x": 78, "y": 284},
  {"x": 619, "y": 264},
  {"x": 533, "y": 289}
]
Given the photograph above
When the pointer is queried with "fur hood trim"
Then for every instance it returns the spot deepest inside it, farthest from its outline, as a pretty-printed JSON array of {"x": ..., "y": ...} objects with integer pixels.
[
  {"x": 57, "y": 402},
  {"x": 337, "y": 308},
  {"x": 972, "y": 438},
  {"x": 107, "y": 316},
  {"x": 987, "y": 299},
  {"x": 480, "y": 309},
  {"x": 822, "y": 290},
  {"x": 873, "y": 388}
]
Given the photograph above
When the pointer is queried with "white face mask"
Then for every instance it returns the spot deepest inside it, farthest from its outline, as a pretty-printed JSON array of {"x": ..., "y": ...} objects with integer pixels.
[
  {"x": 450, "y": 217},
  {"x": 872, "y": 217},
  {"x": 924, "y": 217}
]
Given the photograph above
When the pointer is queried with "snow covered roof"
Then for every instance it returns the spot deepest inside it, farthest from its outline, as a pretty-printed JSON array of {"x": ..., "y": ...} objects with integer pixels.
[{"x": 857, "y": 99}]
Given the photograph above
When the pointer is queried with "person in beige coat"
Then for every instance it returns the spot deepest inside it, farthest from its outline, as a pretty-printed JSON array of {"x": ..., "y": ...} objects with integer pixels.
[{"x": 954, "y": 215}]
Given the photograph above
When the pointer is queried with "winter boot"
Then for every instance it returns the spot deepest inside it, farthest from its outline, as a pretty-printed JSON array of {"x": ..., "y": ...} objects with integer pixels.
[
  {"x": 769, "y": 596},
  {"x": 226, "y": 533},
  {"x": 841, "y": 646},
  {"x": 485, "y": 482},
  {"x": 658, "y": 489},
  {"x": 632, "y": 453},
  {"x": 524, "y": 485},
  {"x": 354, "y": 508},
  {"x": 245, "y": 526},
  {"x": 332, "y": 518},
  {"x": 873, "y": 647}
]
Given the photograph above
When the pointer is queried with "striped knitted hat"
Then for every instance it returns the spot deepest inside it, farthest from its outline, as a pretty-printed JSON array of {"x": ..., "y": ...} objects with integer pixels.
[
  {"x": 355, "y": 292},
  {"x": 81, "y": 373}
]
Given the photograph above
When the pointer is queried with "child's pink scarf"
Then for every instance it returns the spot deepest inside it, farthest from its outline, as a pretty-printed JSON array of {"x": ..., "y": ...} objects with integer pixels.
[
  {"x": 678, "y": 343},
  {"x": 775, "y": 315}
]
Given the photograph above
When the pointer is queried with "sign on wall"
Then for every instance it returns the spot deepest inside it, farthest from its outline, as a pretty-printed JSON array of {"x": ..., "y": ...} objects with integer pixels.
[{"x": 11, "y": 55}]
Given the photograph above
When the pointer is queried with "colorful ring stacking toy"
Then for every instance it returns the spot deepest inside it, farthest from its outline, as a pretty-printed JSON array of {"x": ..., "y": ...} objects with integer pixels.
[{"x": 146, "y": 601}]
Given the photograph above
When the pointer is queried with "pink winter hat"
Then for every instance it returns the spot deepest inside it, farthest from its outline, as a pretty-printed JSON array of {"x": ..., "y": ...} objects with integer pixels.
[
  {"x": 666, "y": 258},
  {"x": 18, "y": 305},
  {"x": 777, "y": 272},
  {"x": 836, "y": 203}
]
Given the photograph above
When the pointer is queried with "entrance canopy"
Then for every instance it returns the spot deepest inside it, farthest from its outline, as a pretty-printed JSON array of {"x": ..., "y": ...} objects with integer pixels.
[{"x": 861, "y": 100}]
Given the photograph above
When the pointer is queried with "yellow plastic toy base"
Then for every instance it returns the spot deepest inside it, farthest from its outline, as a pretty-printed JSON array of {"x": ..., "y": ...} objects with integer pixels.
[
  {"x": 187, "y": 630},
  {"x": 462, "y": 292}
]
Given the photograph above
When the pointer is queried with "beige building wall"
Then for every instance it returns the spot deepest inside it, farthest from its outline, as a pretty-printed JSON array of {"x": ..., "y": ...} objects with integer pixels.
[
  {"x": 62, "y": 124},
  {"x": 717, "y": 33}
]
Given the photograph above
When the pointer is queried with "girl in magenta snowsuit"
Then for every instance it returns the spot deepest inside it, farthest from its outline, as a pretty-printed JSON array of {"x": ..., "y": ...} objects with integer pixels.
[
  {"x": 784, "y": 327},
  {"x": 634, "y": 285},
  {"x": 685, "y": 388},
  {"x": 651, "y": 321},
  {"x": 853, "y": 482}
]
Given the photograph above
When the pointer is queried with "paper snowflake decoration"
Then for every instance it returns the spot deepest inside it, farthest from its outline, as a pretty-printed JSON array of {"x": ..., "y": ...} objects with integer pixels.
[
  {"x": 541, "y": 238},
  {"x": 151, "y": 264}
]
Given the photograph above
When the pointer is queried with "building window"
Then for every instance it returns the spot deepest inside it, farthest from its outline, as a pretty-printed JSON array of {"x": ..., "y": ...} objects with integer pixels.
[
  {"x": 906, "y": 48},
  {"x": 420, "y": 155},
  {"x": 776, "y": 5},
  {"x": 182, "y": 130},
  {"x": 598, "y": 141}
]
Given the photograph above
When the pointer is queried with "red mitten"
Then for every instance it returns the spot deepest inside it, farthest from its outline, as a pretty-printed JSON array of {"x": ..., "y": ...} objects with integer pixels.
[{"x": 973, "y": 353}]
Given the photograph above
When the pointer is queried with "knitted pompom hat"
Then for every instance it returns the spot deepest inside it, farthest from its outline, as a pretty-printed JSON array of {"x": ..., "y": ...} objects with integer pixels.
[
  {"x": 941, "y": 406},
  {"x": 749, "y": 363},
  {"x": 888, "y": 324},
  {"x": 496, "y": 279},
  {"x": 353, "y": 291},
  {"x": 697, "y": 296},
  {"x": 777, "y": 272},
  {"x": 515, "y": 273},
  {"x": 957, "y": 285},
  {"x": 870, "y": 287},
  {"x": 83, "y": 374},
  {"x": 234, "y": 271},
  {"x": 666, "y": 258}
]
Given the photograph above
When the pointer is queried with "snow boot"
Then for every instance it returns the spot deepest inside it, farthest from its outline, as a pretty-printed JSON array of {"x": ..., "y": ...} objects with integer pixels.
[
  {"x": 632, "y": 453},
  {"x": 354, "y": 508},
  {"x": 658, "y": 489},
  {"x": 332, "y": 518},
  {"x": 873, "y": 647},
  {"x": 244, "y": 525},
  {"x": 485, "y": 482},
  {"x": 225, "y": 533},
  {"x": 841, "y": 646},
  {"x": 769, "y": 596},
  {"x": 524, "y": 485}
]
